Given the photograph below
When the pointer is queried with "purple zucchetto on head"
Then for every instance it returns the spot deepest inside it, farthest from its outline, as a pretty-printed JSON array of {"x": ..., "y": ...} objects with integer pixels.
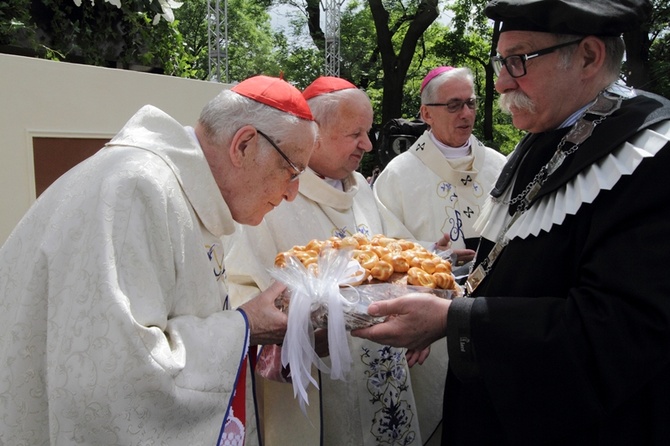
[{"x": 432, "y": 74}]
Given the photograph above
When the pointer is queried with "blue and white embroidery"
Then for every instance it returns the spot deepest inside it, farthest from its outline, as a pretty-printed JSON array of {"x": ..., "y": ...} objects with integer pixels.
[
  {"x": 213, "y": 257},
  {"x": 388, "y": 383}
]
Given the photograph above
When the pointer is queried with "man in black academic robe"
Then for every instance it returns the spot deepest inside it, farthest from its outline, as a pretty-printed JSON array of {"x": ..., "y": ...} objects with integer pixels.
[{"x": 564, "y": 336}]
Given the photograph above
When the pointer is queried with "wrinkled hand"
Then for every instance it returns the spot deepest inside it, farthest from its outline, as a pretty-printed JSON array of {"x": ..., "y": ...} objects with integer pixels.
[
  {"x": 417, "y": 356},
  {"x": 414, "y": 321},
  {"x": 443, "y": 243},
  {"x": 463, "y": 256},
  {"x": 267, "y": 323}
]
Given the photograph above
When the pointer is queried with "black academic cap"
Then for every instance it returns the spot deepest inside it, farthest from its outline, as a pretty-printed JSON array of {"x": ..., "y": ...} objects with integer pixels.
[{"x": 580, "y": 17}]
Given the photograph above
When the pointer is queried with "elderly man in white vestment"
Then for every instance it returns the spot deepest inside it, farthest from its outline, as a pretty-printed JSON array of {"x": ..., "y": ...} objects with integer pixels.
[
  {"x": 376, "y": 405},
  {"x": 114, "y": 321},
  {"x": 436, "y": 189}
]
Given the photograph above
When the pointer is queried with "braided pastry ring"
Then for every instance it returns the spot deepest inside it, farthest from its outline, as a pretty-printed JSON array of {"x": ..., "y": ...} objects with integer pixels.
[
  {"x": 417, "y": 276},
  {"x": 382, "y": 271},
  {"x": 367, "y": 259}
]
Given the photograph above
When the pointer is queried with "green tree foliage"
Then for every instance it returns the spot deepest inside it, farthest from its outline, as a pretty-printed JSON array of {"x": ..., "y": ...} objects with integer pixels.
[
  {"x": 95, "y": 34},
  {"x": 251, "y": 41},
  {"x": 468, "y": 42},
  {"x": 299, "y": 64},
  {"x": 659, "y": 54},
  {"x": 382, "y": 44},
  {"x": 462, "y": 41},
  {"x": 360, "y": 56},
  {"x": 191, "y": 22},
  {"x": 646, "y": 64},
  {"x": 387, "y": 46},
  {"x": 250, "y": 44},
  {"x": 398, "y": 29},
  {"x": 15, "y": 23},
  {"x": 100, "y": 33}
]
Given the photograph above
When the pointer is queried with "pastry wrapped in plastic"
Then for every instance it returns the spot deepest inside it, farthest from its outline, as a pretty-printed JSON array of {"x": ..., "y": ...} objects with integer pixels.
[
  {"x": 383, "y": 259},
  {"x": 310, "y": 289},
  {"x": 382, "y": 268},
  {"x": 321, "y": 294}
]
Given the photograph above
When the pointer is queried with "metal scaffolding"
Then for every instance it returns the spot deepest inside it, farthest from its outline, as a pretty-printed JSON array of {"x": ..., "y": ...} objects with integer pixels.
[
  {"x": 217, "y": 39},
  {"x": 331, "y": 10}
]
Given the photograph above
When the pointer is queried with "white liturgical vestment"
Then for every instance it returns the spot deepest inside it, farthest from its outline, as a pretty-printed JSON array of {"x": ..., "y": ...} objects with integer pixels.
[
  {"x": 112, "y": 328},
  {"x": 422, "y": 191},
  {"x": 430, "y": 195},
  {"x": 376, "y": 405}
]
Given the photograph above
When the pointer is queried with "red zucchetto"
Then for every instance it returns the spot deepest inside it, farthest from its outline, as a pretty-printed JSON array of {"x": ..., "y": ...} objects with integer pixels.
[
  {"x": 275, "y": 92},
  {"x": 326, "y": 84}
]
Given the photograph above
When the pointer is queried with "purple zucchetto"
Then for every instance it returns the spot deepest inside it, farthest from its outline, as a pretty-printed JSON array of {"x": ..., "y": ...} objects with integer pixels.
[{"x": 432, "y": 74}]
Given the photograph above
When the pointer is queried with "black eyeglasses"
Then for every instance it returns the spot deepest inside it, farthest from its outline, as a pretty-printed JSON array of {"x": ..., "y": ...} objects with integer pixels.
[
  {"x": 456, "y": 105},
  {"x": 516, "y": 63},
  {"x": 298, "y": 171}
]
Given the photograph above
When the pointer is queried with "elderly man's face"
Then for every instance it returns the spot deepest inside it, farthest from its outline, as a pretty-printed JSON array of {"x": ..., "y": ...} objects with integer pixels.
[
  {"x": 452, "y": 129},
  {"x": 266, "y": 177},
  {"x": 543, "y": 98},
  {"x": 344, "y": 141}
]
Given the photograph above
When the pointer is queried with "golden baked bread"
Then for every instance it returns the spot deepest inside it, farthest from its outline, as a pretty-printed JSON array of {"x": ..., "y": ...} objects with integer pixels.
[
  {"x": 384, "y": 259},
  {"x": 382, "y": 271},
  {"x": 420, "y": 277}
]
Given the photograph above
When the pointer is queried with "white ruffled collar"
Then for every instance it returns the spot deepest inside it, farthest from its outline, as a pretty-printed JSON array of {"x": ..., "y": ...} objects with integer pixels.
[{"x": 584, "y": 188}]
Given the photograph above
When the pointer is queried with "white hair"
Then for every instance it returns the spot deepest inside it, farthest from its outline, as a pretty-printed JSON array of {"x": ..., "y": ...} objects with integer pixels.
[
  {"x": 324, "y": 106},
  {"x": 614, "y": 51},
  {"x": 226, "y": 113},
  {"x": 429, "y": 93}
]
